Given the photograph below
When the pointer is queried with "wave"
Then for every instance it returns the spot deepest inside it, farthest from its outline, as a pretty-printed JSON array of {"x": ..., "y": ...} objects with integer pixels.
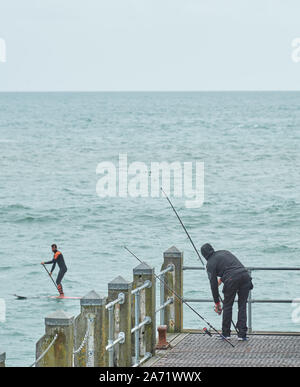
[
  {"x": 283, "y": 205},
  {"x": 12, "y": 207},
  {"x": 278, "y": 249},
  {"x": 35, "y": 219},
  {"x": 5, "y": 268}
]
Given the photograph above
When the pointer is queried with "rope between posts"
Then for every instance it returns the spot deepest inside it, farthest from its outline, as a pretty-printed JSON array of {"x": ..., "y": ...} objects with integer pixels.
[
  {"x": 84, "y": 339},
  {"x": 45, "y": 352}
]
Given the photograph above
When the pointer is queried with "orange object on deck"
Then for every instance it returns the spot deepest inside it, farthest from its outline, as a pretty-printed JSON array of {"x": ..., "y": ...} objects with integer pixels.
[{"x": 162, "y": 338}]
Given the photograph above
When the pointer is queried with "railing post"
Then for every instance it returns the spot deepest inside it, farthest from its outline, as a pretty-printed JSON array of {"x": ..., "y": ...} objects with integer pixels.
[
  {"x": 162, "y": 300},
  {"x": 174, "y": 279},
  {"x": 61, "y": 352},
  {"x": 111, "y": 335},
  {"x": 2, "y": 359},
  {"x": 137, "y": 334},
  {"x": 122, "y": 320},
  {"x": 142, "y": 273},
  {"x": 250, "y": 308},
  {"x": 93, "y": 354}
]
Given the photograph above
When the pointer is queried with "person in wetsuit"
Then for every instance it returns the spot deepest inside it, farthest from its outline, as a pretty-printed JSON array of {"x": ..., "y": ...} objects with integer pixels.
[
  {"x": 58, "y": 259},
  {"x": 236, "y": 280}
]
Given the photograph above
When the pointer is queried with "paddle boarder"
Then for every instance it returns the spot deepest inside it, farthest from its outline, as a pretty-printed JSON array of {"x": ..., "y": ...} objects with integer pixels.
[{"x": 57, "y": 259}]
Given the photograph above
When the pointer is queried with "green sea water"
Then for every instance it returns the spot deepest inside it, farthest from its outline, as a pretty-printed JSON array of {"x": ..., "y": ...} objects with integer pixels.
[{"x": 51, "y": 144}]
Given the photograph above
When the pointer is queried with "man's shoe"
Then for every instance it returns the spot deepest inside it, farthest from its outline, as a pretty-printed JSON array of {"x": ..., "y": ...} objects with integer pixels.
[
  {"x": 219, "y": 337},
  {"x": 243, "y": 338}
]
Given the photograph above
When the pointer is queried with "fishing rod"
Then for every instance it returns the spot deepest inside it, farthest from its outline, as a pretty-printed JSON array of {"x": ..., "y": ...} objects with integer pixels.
[
  {"x": 183, "y": 226},
  {"x": 197, "y": 252},
  {"x": 186, "y": 303},
  {"x": 50, "y": 276}
]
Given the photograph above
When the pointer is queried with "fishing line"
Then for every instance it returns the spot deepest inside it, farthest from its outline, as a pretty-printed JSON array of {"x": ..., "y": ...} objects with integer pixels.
[
  {"x": 197, "y": 252},
  {"x": 184, "y": 302}
]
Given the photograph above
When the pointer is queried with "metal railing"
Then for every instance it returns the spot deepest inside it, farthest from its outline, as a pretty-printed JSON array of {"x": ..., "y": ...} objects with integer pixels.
[
  {"x": 250, "y": 300},
  {"x": 139, "y": 325},
  {"x": 170, "y": 300},
  {"x": 121, "y": 337},
  {"x": 136, "y": 329}
]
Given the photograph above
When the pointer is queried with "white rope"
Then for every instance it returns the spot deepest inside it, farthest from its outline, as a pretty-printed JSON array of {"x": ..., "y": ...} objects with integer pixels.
[
  {"x": 45, "y": 352},
  {"x": 84, "y": 339}
]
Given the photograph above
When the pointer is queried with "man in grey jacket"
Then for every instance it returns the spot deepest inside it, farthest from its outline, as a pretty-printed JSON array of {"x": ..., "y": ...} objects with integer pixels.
[{"x": 236, "y": 280}]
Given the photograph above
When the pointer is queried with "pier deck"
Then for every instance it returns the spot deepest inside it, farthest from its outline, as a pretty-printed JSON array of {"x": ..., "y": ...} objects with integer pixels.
[{"x": 198, "y": 350}]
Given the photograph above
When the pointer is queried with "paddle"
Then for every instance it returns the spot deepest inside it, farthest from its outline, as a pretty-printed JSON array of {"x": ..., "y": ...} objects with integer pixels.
[{"x": 50, "y": 276}]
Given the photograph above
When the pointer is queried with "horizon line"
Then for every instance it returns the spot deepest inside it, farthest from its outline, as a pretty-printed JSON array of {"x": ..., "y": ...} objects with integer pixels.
[{"x": 152, "y": 91}]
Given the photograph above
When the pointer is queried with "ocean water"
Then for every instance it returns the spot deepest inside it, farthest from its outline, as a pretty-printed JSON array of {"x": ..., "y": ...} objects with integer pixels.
[{"x": 51, "y": 144}]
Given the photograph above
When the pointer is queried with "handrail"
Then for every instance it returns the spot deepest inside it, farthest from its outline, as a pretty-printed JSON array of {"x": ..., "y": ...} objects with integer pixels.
[
  {"x": 248, "y": 268},
  {"x": 147, "y": 320},
  {"x": 163, "y": 304},
  {"x": 146, "y": 284},
  {"x": 147, "y": 356},
  {"x": 166, "y": 270},
  {"x": 250, "y": 300},
  {"x": 169, "y": 301},
  {"x": 138, "y": 326},
  {"x": 121, "y": 338},
  {"x": 120, "y": 300}
]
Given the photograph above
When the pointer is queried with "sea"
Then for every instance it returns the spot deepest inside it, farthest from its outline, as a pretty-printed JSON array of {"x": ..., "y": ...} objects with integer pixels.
[{"x": 51, "y": 145}]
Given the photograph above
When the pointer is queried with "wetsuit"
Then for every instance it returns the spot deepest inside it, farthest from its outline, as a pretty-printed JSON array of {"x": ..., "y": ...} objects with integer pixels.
[
  {"x": 58, "y": 259},
  {"x": 236, "y": 280}
]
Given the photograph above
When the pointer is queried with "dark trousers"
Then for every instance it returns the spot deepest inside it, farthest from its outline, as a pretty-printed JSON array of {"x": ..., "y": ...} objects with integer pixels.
[
  {"x": 239, "y": 284},
  {"x": 60, "y": 276}
]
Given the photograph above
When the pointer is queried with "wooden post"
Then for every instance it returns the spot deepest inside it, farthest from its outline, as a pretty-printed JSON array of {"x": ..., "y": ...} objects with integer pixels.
[
  {"x": 61, "y": 352},
  {"x": 93, "y": 354},
  {"x": 174, "y": 279},
  {"x": 122, "y": 317},
  {"x": 2, "y": 359},
  {"x": 142, "y": 273}
]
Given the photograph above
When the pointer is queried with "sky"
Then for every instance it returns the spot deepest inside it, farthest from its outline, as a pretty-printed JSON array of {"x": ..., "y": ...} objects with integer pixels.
[{"x": 149, "y": 45}]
